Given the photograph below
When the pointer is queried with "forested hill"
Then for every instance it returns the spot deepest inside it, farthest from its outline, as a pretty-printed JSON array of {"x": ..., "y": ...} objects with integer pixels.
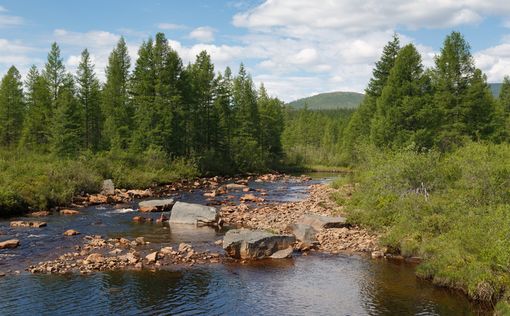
[{"x": 330, "y": 100}]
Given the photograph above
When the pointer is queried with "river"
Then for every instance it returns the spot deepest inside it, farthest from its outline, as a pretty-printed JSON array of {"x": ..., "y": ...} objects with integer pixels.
[{"x": 317, "y": 284}]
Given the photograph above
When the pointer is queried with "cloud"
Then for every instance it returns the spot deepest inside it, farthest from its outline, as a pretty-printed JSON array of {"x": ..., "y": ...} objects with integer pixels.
[
  {"x": 171, "y": 26},
  {"x": 494, "y": 61},
  {"x": 203, "y": 34},
  {"x": 9, "y": 20}
]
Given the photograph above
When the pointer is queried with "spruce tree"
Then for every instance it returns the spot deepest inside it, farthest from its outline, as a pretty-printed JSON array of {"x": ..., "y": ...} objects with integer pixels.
[
  {"x": 11, "y": 107},
  {"x": 117, "y": 110},
  {"x": 89, "y": 99},
  {"x": 37, "y": 122},
  {"x": 271, "y": 124},
  {"x": 54, "y": 73},
  {"x": 504, "y": 95}
]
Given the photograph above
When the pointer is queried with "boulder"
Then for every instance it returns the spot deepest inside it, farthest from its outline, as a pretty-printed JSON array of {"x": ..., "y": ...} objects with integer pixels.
[
  {"x": 304, "y": 233},
  {"x": 319, "y": 222},
  {"x": 152, "y": 257},
  {"x": 99, "y": 199},
  {"x": 71, "y": 232},
  {"x": 282, "y": 254},
  {"x": 35, "y": 224},
  {"x": 188, "y": 213},
  {"x": 108, "y": 188},
  {"x": 39, "y": 214},
  {"x": 164, "y": 205},
  {"x": 235, "y": 186},
  {"x": 255, "y": 244},
  {"x": 69, "y": 212},
  {"x": 12, "y": 243}
]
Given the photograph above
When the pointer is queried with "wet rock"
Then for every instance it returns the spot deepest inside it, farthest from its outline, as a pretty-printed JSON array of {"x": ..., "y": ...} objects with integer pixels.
[
  {"x": 71, "y": 232},
  {"x": 99, "y": 199},
  {"x": 140, "y": 241},
  {"x": 95, "y": 258},
  {"x": 183, "y": 247},
  {"x": 139, "y": 194},
  {"x": 139, "y": 219},
  {"x": 377, "y": 254},
  {"x": 164, "y": 205},
  {"x": 251, "y": 198},
  {"x": 9, "y": 244},
  {"x": 34, "y": 224},
  {"x": 306, "y": 234},
  {"x": 108, "y": 188},
  {"x": 39, "y": 214},
  {"x": 166, "y": 250},
  {"x": 319, "y": 222},
  {"x": 254, "y": 244},
  {"x": 69, "y": 212},
  {"x": 188, "y": 213},
  {"x": 282, "y": 254}
]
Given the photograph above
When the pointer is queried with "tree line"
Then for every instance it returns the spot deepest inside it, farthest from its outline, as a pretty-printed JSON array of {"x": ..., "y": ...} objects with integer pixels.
[
  {"x": 218, "y": 119},
  {"x": 408, "y": 106}
]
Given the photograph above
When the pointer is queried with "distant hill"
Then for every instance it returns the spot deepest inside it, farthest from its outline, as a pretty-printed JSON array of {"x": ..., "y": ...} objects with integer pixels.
[
  {"x": 330, "y": 100},
  {"x": 495, "y": 88}
]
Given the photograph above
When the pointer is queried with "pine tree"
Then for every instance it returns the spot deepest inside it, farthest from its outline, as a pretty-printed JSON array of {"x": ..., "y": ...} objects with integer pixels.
[
  {"x": 504, "y": 95},
  {"x": 12, "y": 107},
  {"x": 54, "y": 73},
  {"x": 271, "y": 124},
  {"x": 37, "y": 122},
  {"x": 89, "y": 99},
  {"x": 67, "y": 132},
  {"x": 117, "y": 110}
]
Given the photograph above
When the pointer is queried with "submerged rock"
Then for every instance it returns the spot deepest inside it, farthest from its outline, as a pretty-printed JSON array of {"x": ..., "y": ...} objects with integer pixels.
[
  {"x": 188, "y": 213},
  {"x": 255, "y": 244},
  {"x": 164, "y": 205},
  {"x": 35, "y": 224},
  {"x": 12, "y": 243},
  {"x": 319, "y": 222}
]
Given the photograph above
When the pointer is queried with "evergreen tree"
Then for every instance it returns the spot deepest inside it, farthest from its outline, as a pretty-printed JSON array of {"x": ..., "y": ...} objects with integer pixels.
[
  {"x": 117, "y": 110},
  {"x": 37, "y": 123},
  {"x": 54, "y": 73},
  {"x": 67, "y": 132},
  {"x": 504, "y": 95},
  {"x": 89, "y": 99},
  {"x": 271, "y": 124},
  {"x": 11, "y": 107}
]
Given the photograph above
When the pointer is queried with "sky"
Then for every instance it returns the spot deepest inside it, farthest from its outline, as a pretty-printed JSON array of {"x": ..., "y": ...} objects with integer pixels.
[{"x": 296, "y": 48}]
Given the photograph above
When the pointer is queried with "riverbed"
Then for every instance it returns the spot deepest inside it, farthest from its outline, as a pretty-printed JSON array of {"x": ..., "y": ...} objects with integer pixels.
[{"x": 314, "y": 284}]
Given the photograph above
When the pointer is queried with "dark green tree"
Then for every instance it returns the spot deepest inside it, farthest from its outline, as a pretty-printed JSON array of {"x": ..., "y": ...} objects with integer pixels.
[
  {"x": 89, "y": 98},
  {"x": 54, "y": 72},
  {"x": 271, "y": 124},
  {"x": 12, "y": 107}
]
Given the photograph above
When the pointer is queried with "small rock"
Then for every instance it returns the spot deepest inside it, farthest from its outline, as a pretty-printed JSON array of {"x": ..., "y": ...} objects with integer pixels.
[
  {"x": 39, "y": 214},
  {"x": 69, "y": 212},
  {"x": 34, "y": 224},
  {"x": 282, "y": 254},
  {"x": 183, "y": 247},
  {"x": 71, "y": 232},
  {"x": 152, "y": 257},
  {"x": 12, "y": 243}
]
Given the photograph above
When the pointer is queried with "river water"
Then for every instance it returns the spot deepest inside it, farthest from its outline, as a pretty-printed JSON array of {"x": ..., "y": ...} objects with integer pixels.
[{"x": 318, "y": 284}]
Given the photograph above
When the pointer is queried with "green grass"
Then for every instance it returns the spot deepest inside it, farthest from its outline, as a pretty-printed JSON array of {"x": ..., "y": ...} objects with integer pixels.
[
  {"x": 450, "y": 209},
  {"x": 34, "y": 181}
]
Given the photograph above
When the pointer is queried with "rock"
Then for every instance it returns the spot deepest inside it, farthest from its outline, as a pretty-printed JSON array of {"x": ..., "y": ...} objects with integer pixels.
[
  {"x": 319, "y": 222},
  {"x": 188, "y": 213},
  {"x": 246, "y": 190},
  {"x": 254, "y": 244},
  {"x": 139, "y": 219},
  {"x": 167, "y": 250},
  {"x": 164, "y": 205},
  {"x": 34, "y": 224},
  {"x": 218, "y": 242},
  {"x": 99, "y": 199},
  {"x": 140, "y": 241},
  {"x": 69, "y": 212},
  {"x": 377, "y": 254},
  {"x": 95, "y": 258},
  {"x": 183, "y": 247},
  {"x": 235, "y": 186},
  {"x": 251, "y": 198},
  {"x": 39, "y": 214},
  {"x": 282, "y": 254},
  {"x": 71, "y": 232},
  {"x": 12, "y": 243},
  {"x": 304, "y": 233},
  {"x": 108, "y": 188},
  {"x": 116, "y": 251},
  {"x": 152, "y": 257},
  {"x": 139, "y": 194},
  {"x": 139, "y": 265}
]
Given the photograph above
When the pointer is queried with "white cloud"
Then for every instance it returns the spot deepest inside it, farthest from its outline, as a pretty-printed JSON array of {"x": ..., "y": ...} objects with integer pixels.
[
  {"x": 494, "y": 61},
  {"x": 203, "y": 34},
  {"x": 171, "y": 26}
]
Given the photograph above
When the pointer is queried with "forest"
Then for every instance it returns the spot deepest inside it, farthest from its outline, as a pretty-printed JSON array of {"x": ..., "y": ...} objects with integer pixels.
[{"x": 149, "y": 123}]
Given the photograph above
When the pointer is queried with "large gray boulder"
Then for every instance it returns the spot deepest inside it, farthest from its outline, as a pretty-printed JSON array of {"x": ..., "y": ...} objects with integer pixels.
[
  {"x": 164, "y": 205},
  {"x": 108, "y": 188},
  {"x": 255, "y": 244},
  {"x": 304, "y": 233},
  {"x": 319, "y": 222},
  {"x": 196, "y": 214}
]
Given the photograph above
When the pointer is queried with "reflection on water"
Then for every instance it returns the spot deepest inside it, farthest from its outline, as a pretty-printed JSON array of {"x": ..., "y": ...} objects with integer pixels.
[
  {"x": 313, "y": 285},
  {"x": 308, "y": 285}
]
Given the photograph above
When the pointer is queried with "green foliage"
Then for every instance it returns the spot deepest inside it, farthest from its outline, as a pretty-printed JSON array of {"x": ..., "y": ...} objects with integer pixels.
[
  {"x": 329, "y": 101},
  {"x": 445, "y": 208},
  {"x": 12, "y": 108}
]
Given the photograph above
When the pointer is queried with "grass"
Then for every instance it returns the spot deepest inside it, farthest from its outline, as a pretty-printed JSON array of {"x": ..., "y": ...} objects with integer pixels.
[
  {"x": 450, "y": 209},
  {"x": 35, "y": 181}
]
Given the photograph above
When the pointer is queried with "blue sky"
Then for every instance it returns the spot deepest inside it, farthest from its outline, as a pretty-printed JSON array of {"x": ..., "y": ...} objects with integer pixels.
[{"x": 296, "y": 47}]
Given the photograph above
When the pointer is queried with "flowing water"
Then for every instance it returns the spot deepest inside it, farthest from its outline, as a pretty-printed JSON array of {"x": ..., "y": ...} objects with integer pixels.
[{"x": 317, "y": 284}]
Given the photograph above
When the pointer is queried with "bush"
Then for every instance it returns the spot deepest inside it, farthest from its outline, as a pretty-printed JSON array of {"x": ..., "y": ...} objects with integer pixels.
[{"x": 452, "y": 209}]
